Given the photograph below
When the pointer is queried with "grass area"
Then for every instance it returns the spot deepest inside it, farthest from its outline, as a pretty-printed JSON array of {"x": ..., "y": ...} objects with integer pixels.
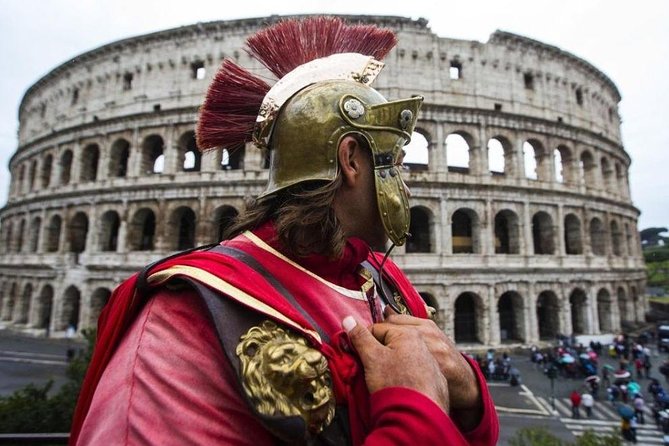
[{"x": 662, "y": 300}]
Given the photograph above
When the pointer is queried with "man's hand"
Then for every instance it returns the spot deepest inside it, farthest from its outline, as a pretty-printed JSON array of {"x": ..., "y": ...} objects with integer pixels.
[
  {"x": 399, "y": 358},
  {"x": 463, "y": 389}
]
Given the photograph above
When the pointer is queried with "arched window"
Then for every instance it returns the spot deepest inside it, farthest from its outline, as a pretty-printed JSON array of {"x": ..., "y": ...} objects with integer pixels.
[
  {"x": 543, "y": 235},
  {"x": 530, "y": 160},
  {"x": 564, "y": 167},
  {"x": 71, "y": 305},
  {"x": 431, "y": 301},
  {"x": 109, "y": 227},
  {"x": 604, "y": 313},
  {"x": 89, "y": 163},
  {"x": 507, "y": 233},
  {"x": 78, "y": 231},
  {"x": 118, "y": 161},
  {"x": 629, "y": 241},
  {"x": 8, "y": 239},
  {"x": 233, "y": 159},
  {"x": 224, "y": 216},
  {"x": 182, "y": 228},
  {"x": 420, "y": 230},
  {"x": 20, "y": 235},
  {"x": 572, "y": 235},
  {"x": 47, "y": 166},
  {"x": 65, "y": 167},
  {"x": 142, "y": 230},
  {"x": 597, "y": 237},
  {"x": 417, "y": 153},
  {"x": 24, "y": 305},
  {"x": 53, "y": 234},
  {"x": 579, "y": 310},
  {"x": 467, "y": 317},
  {"x": 511, "y": 317},
  {"x": 623, "y": 305},
  {"x": 457, "y": 153},
  {"x": 8, "y": 307},
  {"x": 496, "y": 157},
  {"x": 34, "y": 236},
  {"x": 99, "y": 299},
  {"x": 153, "y": 160},
  {"x": 191, "y": 156},
  {"x": 44, "y": 306},
  {"x": 464, "y": 232},
  {"x": 32, "y": 174},
  {"x": 588, "y": 168},
  {"x": 548, "y": 315},
  {"x": 607, "y": 175},
  {"x": 616, "y": 239}
]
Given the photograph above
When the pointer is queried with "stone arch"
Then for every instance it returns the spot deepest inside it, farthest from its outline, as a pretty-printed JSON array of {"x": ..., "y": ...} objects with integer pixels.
[
  {"x": 588, "y": 168},
  {"x": 45, "y": 172},
  {"x": 34, "y": 234},
  {"x": 32, "y": 175},
  {"x": 607, "y": 174},
  {"x": 90, "y": 157},
  {"x": 20, "y": 235},
  {"x": 499, "y": 153},
  {"x": 420, "y": 229},
  {"x": 623, "y": 305},
  {"x": 53, "y": 234},
  {"x": 511, "y": 316},
  {"x": 44, "y": 307},
  {"x": 232, "y": 159},
  {"x": 417, "y": 152},
  {"x": 458, "y": 152},
  {"x": 573, "y": 240},
  {"x": 629, "y": 241},
  {"x": 8, "y": 239},
  {"x": 507, "y": 232},
  {"x": 534, "y": 160},
  {"x": 548, "y": 315},
  {"x": 604, "y": 311},
  {"x": 465, "y": 232},
  {"x": 597, "y": 237},
  {"x": 142, "y": 230},
  {"x": 99, "y": 299},
  {"x": 110, "y": 223},
  {"x": 431, "y": 301},
  {"x": 468, "y": 317},
  {"x": 564, "y": 162},
  {"x": 153, "y": 158},
  {"x": 578, "y": 302},
  {"x": 616, "y": 238},
  {"x": 224, "y": 217},
  {"x": 10, "y": 302},
  {"x": 66, "y": 167},
  {"x": 543, "y": 233},
  {"x": 78, "y": 232},
  {"x": 23, "y": 309},
  {"x": 189, "y": 154},
  {"x": 181, "y": 228},
  {"x": 70, "y": 309},
  {"x": 118, "y": 159}
]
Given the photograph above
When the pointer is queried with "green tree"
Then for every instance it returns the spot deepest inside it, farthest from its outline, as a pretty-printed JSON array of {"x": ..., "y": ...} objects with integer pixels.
[
  {"x": 539, "y": 436},
  {"x": 35, "y": 409}
]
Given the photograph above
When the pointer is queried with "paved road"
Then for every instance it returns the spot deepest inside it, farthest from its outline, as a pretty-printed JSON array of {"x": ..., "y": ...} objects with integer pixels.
[{"x": 25, "y": 360}]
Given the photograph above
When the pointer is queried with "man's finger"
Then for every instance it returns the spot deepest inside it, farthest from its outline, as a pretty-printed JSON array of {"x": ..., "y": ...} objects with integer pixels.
[{"x": 362, "y": 340}]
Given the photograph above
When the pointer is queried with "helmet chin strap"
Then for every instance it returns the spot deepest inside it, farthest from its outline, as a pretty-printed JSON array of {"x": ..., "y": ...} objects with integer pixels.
[{"x": 382, "y": 288}]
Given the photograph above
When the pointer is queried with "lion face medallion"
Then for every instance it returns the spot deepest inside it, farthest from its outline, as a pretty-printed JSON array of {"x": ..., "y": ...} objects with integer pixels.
[{"x": 282, "y": 375}]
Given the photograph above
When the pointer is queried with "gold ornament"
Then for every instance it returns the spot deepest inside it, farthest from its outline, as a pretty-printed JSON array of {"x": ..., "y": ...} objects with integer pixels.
[{"x": 283, "y": 376}]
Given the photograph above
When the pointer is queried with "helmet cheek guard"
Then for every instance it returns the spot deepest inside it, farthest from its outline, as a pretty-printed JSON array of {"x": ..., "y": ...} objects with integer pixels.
[{"x": 387, "y": 127}]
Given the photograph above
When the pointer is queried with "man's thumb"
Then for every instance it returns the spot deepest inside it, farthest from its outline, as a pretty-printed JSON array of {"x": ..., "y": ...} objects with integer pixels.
[{"x": 362, "y": 339}]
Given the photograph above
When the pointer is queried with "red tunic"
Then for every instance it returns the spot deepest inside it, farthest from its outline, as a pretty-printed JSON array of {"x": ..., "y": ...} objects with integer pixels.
[{"x": 168, "y": 381}]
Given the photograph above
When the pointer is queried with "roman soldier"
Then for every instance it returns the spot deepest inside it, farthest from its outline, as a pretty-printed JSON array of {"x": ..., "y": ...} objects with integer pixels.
[{"x": 297, "y": 328}]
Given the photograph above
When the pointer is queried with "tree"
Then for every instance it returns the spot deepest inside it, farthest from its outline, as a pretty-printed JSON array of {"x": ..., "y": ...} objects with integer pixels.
[
  {"x": 653, "y": 237},
  {"x": 538, "y": 436}
]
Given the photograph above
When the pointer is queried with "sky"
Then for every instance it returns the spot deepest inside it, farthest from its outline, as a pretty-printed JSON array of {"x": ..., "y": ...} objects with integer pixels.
[{"x": 628, "y": 41}]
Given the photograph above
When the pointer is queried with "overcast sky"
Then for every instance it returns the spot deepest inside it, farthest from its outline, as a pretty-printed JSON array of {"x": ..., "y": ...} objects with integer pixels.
[{"x": 629, "y": 41}]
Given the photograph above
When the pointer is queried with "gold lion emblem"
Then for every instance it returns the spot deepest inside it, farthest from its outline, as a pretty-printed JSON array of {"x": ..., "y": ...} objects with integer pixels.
[{"x": 282, "y": 375}]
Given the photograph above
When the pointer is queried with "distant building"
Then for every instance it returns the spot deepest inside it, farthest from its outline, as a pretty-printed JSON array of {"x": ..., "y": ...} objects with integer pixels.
[{"x": 522, "y": 222}]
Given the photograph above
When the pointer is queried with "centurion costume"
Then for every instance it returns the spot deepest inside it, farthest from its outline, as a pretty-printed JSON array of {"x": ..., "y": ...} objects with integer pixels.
[{"x": 240, "y": 343}]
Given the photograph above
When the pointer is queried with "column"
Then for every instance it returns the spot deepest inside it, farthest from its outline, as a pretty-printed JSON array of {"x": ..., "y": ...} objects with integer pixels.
[
  {"x": 561, "y": 248},
  {"x": 493, "y": 319}
]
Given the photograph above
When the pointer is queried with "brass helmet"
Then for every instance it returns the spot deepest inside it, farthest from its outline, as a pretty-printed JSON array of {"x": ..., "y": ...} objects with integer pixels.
[{"x": 304, "y": 116}]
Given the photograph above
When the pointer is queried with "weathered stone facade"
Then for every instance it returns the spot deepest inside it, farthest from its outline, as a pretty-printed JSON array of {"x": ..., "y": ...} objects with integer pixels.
[{"x": 107, "y": 178}]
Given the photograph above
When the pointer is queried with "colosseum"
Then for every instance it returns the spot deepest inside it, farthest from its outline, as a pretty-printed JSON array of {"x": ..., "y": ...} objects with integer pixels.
[{"x": 522, "y": 223}]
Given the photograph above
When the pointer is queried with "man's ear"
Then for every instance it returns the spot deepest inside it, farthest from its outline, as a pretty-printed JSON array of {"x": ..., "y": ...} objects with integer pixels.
[{"x": 348, "y": 155}]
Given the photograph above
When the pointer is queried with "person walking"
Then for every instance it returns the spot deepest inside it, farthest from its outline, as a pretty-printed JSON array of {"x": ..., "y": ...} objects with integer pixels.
[
  {"x": 639, "y": 405},
  {"x": 575, "y": 398},
  {"x": 587, "y": 401}
]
